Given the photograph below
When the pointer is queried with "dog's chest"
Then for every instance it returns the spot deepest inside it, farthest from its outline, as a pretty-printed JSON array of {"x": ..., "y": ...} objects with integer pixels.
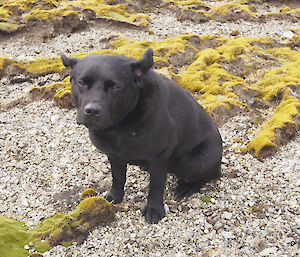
[{"x": 128, "y": 144}]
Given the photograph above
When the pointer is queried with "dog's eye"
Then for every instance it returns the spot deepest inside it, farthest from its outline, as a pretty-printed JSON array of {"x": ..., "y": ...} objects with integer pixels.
[
  {"x": 81, "y": 83},
  {"x": 109, "y": 84},
  {"x": 116, "y": 86}
]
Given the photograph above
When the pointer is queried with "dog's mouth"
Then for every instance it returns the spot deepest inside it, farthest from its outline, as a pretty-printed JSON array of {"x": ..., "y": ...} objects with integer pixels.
[{"x": 93, "y": 123}]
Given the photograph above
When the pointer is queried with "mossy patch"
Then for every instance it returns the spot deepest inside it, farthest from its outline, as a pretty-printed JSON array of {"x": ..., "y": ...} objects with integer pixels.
[
  {"x": 13, "y": 237},
  {"x": 3, "y": 61},
  {"x": 74, "y": 226},
  {"x": 206, "y": 199},
  {"x": 60, "y": 92},
  {"x": 194, "y": 10},
  {"x": 8, "y": 27},
  {"x": 35, "y": 255},
  {"x": 65, "y": 13},
  {"x": 228, "y": 10},
  {"x": 284, "y": 116},
  {"x": 209, "y": 78},
  {"x": 89, "y": 192},
  {"x": 285, "y": 9},
  {"x": 58, "y": 229},
  {"x": 41, "y": 66},
  {"x": 225, "y": 12},
  {"x": 276, "y": 81}
]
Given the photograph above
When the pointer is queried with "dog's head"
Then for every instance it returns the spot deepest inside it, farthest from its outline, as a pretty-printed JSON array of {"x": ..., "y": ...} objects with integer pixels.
[{"x": 106, "y": 88}]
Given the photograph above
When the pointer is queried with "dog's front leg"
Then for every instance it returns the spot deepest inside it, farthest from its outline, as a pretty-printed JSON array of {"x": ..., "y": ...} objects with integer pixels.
[
  {"x": 118, "y": 170},
  {"x": 154, "y": 210}
]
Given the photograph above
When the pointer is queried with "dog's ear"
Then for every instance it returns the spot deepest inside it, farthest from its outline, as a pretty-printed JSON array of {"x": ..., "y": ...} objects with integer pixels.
[
  {"x": 68, "y": 62},
  {"x": 141, "y": 67}
]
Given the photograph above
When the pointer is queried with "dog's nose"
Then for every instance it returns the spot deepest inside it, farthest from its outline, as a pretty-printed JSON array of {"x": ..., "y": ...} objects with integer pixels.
[{"x": 92, "y": 109}]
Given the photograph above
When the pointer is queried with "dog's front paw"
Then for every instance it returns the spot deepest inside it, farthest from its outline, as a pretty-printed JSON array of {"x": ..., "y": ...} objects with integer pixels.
[
  {"x": 113, "y": 198},
  {"x": 153, "y": 214}
]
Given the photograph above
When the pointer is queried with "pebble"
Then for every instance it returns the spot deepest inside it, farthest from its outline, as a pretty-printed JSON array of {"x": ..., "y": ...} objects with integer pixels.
[
  {"x": 288, "y": 34},
  {"x": 227, "y": 215},
  {"x": 268, "y": 251}
]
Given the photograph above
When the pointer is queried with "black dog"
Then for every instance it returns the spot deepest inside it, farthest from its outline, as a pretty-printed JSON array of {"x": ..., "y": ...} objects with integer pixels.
[{"x": 137, "y": 116}]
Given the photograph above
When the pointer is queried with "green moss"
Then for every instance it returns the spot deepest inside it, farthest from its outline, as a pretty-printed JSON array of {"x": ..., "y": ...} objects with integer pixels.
[
  {"x": 51, "y": 10},
  {"x": 285, "y": 9},
  {"x": 234, "y": 48},
  {"x": 8, "y": 27},
  {"x": 297, "y": 11},
  {"x": 119, "y": 13},
  {"x": 3, "y": 61},
  {"x": 55, "y": 90},
  {"x": 208, "y": 77},
  {"x": 206, "y": 199},
  {"x": 13, "y": 237},
  {"x": 42, "y": 66},
  {"x": 74, "y": 226},
  {"x": 162, "y": 49},
  {"x": 284, "y": 115},
  {"x": 58, "y": 229},
  {"x": 227, "y": 8},
  {"x": 49, "y": 15},
  {"x": 276, "y": 81},
  {"x": 60, "y": 92},
  {"x": 192, "y": 5},
  {"x": 19, "y": 7},
  {"x": 35, "y": 255},
  {"x": 42, "y": 234},
  {"x": 4, "y": 13},
  {"x": 186, "y": 2},
  {"x": 212, "y": 12},
  {"x": 89, "y": 192}
]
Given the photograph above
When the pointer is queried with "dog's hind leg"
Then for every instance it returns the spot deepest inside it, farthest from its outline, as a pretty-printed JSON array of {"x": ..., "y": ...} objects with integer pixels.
[
  {"x": 186, "y": 189},
  {"x": 194, "y": 170}
]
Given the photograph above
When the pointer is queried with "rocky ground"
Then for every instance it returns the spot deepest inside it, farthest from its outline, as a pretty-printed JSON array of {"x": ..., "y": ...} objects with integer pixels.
[{"x": 47, "y": 160}]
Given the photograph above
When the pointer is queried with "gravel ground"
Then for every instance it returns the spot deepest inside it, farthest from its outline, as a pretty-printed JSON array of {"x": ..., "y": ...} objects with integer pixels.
[{"x": 46, "y": 160}]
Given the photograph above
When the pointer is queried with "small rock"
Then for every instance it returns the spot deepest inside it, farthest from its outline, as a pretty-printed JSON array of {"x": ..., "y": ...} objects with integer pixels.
[
  {"x": 213, "y": 200},
  {"x": 296, "y": 230},
  {"x": 256, "y": 242},
  {"x": 234, "y": 33},
  {"x": 227, "y": 215},
  {"x": 2, "y": 119},
  {"x": 90, "y": 246},
  {"x": 167, "y": 209},
  {"x": 227, "y": 234},
  {"x": 293, "y": 203},
  {"x": 180, "y": 254},
  {"x": 268, "y": 251},
  {"x": 288, "y": 34},
  {"x": 290, "y": 240},
  {"x": 54, "y": 118},
  {"x": 24, "y": 201},
  {"x": 218, "y": 225}
]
